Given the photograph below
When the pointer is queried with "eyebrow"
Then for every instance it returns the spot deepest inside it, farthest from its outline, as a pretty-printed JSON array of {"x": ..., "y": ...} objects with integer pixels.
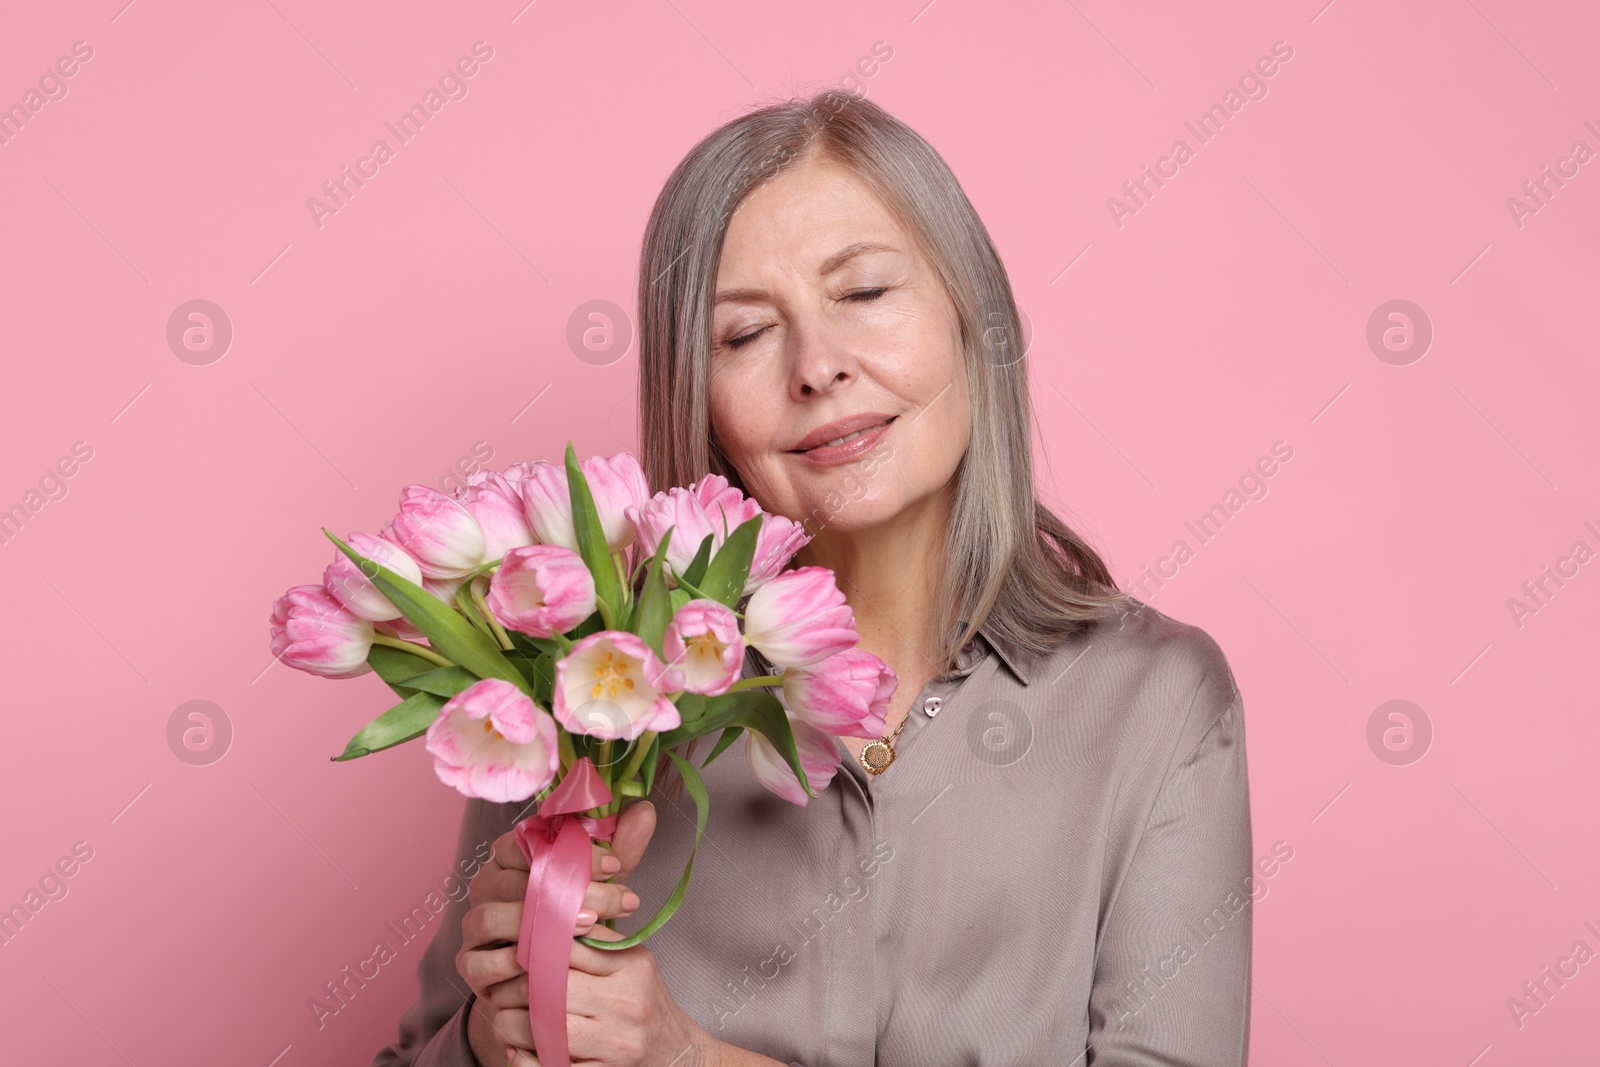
[{"x": 829, "y": 265}]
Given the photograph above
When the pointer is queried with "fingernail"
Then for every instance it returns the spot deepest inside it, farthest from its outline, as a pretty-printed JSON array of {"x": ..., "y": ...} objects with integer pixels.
[
  {"x": 610, "y": 864},
  {"x": 630, "y": 900},
  {"x": 511, "y": 1054},
  {"x": 586, "y": 917}
]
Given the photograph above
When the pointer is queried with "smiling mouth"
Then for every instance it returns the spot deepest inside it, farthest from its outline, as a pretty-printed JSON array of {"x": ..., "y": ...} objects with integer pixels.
[{"x": 847, "y": 438}]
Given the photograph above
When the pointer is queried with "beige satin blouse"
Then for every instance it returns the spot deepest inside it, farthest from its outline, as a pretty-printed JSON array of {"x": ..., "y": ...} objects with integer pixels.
[{"x": 1056, "y": 869}]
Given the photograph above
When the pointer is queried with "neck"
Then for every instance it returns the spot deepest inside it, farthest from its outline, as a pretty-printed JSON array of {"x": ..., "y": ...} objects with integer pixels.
[{"x": 889, "y": 574}]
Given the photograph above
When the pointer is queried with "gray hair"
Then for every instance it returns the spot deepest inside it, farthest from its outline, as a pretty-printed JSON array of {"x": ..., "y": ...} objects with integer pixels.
[{"x": 1010, "y": 563}]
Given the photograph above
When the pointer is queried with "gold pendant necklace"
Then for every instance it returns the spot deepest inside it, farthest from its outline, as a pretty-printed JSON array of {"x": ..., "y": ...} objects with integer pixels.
[{"x": 877, "y": 756}]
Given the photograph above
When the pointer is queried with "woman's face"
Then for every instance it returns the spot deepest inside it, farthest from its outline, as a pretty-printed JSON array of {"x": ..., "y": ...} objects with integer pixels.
[{"x": 827, "y": 311}]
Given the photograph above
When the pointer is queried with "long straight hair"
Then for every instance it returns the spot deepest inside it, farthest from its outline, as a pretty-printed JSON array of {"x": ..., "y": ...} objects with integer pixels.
[{"x": 1010, "y": 564}]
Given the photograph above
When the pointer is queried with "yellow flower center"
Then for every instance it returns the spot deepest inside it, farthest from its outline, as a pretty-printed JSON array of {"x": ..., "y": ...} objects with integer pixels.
[
  {"x": 488, "y": 728},
  {"x": 707, "y": 646},
  {"x": 611, "y": 677}
]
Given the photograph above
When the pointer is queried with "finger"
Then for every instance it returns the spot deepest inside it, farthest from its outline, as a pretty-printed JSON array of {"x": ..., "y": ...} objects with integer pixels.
[
  {"x": 496, "y": 884},
  {"x": 598, "y": 961},
  {"x": 508, "y": 854},
  {"x": 512, "y": 1028},
  {"x": 511, "y": 993},
  {"x": 520, "y": 1057},
  {"x": 483, "y": 969},
  {"x": 605, "y": 864},
  {"x": 635, "y": 825},
  {"x": 609, "y": 901},
  {"x": 487, "y": 925}
]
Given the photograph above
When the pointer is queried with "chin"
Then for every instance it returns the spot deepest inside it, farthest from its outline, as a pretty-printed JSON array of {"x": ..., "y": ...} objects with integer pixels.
[{"x": 839, "y": 513}]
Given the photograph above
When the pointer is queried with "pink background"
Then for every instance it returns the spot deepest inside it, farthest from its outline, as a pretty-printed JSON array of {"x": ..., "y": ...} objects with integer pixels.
[{"x": 1230, "y": 312}]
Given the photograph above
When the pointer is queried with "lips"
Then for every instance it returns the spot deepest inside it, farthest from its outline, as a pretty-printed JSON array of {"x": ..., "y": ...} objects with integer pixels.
[{"x": 833, "y": 431}]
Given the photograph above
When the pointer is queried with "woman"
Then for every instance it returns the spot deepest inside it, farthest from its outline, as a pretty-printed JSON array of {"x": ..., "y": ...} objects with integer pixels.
[{"x": 1054, "y": 865}]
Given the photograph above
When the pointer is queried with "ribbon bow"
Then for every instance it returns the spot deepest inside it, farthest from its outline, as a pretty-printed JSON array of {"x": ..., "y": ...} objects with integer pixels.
[{"x": 555, "y": 841}]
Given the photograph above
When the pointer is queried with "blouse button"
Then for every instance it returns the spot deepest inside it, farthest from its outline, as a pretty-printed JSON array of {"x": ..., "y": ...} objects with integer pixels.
[{"x": 932, "y": 706}]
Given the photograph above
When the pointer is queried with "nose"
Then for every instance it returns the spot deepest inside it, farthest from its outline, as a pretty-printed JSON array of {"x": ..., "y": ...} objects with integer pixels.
[{"x": 821, "y": 359}]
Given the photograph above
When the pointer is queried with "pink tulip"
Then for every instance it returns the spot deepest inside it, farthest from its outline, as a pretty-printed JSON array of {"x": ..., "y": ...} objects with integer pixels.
[
  {"x": 779, "y": 539},
  {"x": 491, "y": 741},
  {"x": 703, "y": 649},
  {"x": 494, "y": 501},
  {"x": 541, "y": 590},
  {"x": 617, "y": 484},
  {"x": 819, "y": 755},
  {"x": 443, "y": 589},
  {"x": 799, "y": 617},
  {"x": 313, "y": 632},
  {"x": 846, "y": 694},
  {"x": 606, "y": 688},
  {"x": 355, "y": 590},
  {"x": 402, "y": 629},
  {"x": 712, "y": 506},
  {"x": 439, "y": 533}
]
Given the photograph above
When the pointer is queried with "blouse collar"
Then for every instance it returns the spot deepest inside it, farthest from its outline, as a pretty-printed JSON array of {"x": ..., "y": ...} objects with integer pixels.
[{"x": 1019, "y": 661}]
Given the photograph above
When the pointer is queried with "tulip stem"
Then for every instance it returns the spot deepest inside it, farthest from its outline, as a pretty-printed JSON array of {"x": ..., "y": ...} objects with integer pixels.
[
  {"x": 488, "y": 617},
  {"x": 467, "y": 605},
  {"x": 756, "y": 683},
  {"x": 415, "y": 649},
  {"x": 641, "y": 748}
]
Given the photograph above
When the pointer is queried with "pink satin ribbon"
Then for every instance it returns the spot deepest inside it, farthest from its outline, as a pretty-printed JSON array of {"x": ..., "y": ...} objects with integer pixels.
[{"x": 556, "y": 842}]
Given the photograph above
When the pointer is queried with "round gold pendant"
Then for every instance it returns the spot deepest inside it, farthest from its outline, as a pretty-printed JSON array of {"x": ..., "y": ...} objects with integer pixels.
[{"x": 876, "y": 756}]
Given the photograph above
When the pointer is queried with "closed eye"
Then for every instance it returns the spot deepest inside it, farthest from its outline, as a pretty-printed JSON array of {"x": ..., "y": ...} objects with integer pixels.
[
  {"x": 738, "y": 342},
  {"x": 860, "y": 296}
]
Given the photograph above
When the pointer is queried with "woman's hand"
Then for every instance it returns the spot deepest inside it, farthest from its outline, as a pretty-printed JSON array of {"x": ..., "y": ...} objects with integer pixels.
[
  {"x": 488, "y": 961},
  {"x": 619, "y": 1013}
]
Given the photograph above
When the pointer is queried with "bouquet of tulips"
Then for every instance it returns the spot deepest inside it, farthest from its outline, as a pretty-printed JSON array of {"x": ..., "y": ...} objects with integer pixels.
[{"x": 555, "y": 631}]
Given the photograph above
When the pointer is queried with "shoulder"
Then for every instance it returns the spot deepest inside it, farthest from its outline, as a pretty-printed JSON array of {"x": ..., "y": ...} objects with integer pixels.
[{"x": 1147, "y": 675}]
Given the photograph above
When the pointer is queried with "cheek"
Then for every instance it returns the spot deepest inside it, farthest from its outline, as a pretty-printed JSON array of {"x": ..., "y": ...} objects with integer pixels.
[{"x": 734, "y": 420}]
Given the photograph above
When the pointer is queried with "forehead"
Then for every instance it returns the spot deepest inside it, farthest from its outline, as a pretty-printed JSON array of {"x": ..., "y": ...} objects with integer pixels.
[{"x": 807, "y": 214}]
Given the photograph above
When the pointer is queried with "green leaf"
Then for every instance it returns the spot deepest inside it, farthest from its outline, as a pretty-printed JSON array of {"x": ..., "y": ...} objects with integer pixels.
[
  {"x": 752, "y": 709},
  {"x": 654, "y": 610},
  {"x": 452, "y": 636},
  {"x": 534, "y": 645},
  {"x": 651, "y": 758},
  {"x": 702, "y": 715},
  {"x": 540, "y": 671},
  {"x": 730, "y": 567},
  {"x": 443, "y": 681},
  {"x": 408, "y": 719},
  {"x": 697, "y": 566},
  {"x": 729, "y": 736},
  {"x": 765, "y": 715},
  {"x": 395, "y": 666},
  {"x": 591, "y": 536},
  {"x": 702, "y": 808}
]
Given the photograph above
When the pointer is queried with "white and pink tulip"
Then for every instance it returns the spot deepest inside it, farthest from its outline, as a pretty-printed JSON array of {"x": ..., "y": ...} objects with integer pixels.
[
  {"x": 703, "y": 648},
  {"x": 819, "y": 755},
  {"x": 617, "y": 484},
  {"x": 712, "y": 506},
  {"x": 541, "y": 590},
  {"x": 438, "y": 532},
  {"x": 355, "y": 590},
  {"x": 492, "y": 741},
  {"x": 799, "y": 617},
  {"x": 493, "y": 499},
  {"x": 846, "y": 694},
  {"x": 313, "y": 632},
  {"x": 608, "y": 687}
]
